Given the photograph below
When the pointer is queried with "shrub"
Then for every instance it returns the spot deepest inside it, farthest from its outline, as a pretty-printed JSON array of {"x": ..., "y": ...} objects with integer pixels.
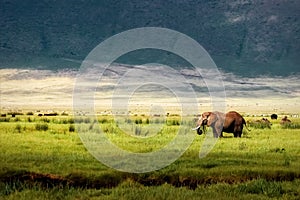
[
  {"x": 290, "y": 126},
  {"x": 15, "y": 113},
  {"x": 175, "y": 122},
  {"x": 261, "y": 186},
  {"x": 128, "y": 121},
  {"x": 29, "y": 113},
  {"x": 17, "y": 119},
  {"x": 5, "y": 119},
  {"x": 29, "y": 119},
  {"x": 71, "y": 121},
  {"x": 87, "y": 120},
  {"x": 46, "y": 120},
  {"x": 259, "y": 125},
  {"x": 71, "y": 128},
  {"x": 157, "y": 121},
  {"x": 138, "y": 121},
  {"x": 18, "y": 128},
  {"x": 109, "y": 128},
  {"x": 103, "y": 121},
  {"x": 64, "y": 121},
  {"x": 147, "y": 121},
  {"x": 78, "y": 120},
  {"x": 41, "y": 127}
]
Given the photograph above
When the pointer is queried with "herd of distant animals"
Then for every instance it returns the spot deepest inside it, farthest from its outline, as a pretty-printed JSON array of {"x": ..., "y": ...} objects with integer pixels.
[
  {"x": 283, "y": 121},
  {"x": 230, "y": 122}
]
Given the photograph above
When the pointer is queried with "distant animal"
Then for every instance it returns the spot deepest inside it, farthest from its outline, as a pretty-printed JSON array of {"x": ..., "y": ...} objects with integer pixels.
[
  {"x": 50, "y": 114},
  {"x": 274, "y": 116},
  {"x": 264, "y": 120},
  {"x": 261, "y": 123},
  {"x": 285, "y": 120},
  {"x": 231, "y": 122}
]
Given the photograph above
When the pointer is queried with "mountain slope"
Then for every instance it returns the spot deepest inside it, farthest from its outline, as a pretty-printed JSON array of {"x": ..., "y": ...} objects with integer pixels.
[{"x": 244, "y": 37}]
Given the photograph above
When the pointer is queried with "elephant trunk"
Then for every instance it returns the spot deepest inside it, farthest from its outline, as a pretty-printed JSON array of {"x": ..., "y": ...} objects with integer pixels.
[{"x": 204, "y": 128}]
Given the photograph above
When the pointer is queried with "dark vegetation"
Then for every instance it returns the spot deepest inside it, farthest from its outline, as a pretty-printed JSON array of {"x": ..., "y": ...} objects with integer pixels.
[
  {"x": 18, "y": 180},
  {"x": 240, "y": 35}
]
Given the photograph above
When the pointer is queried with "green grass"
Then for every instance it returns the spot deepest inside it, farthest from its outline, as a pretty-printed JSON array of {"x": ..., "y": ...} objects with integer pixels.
[{"x": 52, "y": 163}]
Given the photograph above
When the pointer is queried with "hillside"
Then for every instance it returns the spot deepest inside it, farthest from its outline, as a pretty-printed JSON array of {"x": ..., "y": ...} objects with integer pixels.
[{"x": 244, "y": 37}]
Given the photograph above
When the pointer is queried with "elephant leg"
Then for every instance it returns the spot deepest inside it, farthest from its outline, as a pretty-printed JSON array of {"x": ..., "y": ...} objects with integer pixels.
[
  {"x": 237, "y": 131},
  {"x": 221, "y": 135},
  {"x": 240, "y": 134},
  {"x": 215, "y": 132},
  {"x": 237, "y": 134}
]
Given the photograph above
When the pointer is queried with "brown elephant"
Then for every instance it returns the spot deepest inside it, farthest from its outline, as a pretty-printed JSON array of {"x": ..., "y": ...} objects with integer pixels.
[{"x": 231, "y": 122}]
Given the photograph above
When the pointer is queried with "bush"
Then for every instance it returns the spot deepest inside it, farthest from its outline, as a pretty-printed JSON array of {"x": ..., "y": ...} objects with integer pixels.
[
  {"x": 29, "y": 113},
  {"x": 138, "y": 121},
  {"x": 18, "y": 128},
  {"x": 173, "y": 122},
  {"x": 30, "y": 120},
  {"x": 41, "y": 127},
  {"x": 71, "y": 121},
  {"x": 261, "y": 186},
  {"x": 87, "y": 120},
  {"x": 46, "y": 120},
  {"x": 71, "y": 128},
  {"x": 259, "y": 125},
  {"x": 290, "y": 126},
  {"x": 5, "y": 119},
  {"x": 157, "y": 121},
  {"x": 78, "y": 120},
  {"x": 103, "y": 121},
  {"x": 147, "y": 121},
  {"x": 17, "y": 119},
  {"x": 15, "y": 113}
]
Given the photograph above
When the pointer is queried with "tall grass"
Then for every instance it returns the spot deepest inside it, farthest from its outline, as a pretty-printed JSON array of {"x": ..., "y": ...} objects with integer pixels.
[{"x": 255, "y": 166}]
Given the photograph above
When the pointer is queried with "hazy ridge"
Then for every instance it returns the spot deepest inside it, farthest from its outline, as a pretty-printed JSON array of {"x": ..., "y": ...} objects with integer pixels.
[{"x": 23, "y": 88}]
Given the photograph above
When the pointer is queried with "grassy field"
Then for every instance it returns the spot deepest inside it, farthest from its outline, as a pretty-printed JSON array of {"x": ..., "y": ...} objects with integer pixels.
[{"x": 44, "y": 158}]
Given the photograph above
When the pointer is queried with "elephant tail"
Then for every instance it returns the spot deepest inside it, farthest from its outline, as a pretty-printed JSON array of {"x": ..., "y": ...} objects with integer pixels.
[{"x": 244, "y": 122}]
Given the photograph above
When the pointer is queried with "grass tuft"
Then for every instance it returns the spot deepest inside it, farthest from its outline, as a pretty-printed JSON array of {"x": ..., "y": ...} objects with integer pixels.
[{"x": 262, "y": 186}]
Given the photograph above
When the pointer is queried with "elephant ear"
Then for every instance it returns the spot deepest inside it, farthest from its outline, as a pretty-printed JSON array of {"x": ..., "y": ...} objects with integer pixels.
[{"x": 212, "y": 118}]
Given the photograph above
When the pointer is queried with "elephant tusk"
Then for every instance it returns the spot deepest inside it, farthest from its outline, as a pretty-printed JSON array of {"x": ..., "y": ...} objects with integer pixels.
[{"x": 195, "y": 128}]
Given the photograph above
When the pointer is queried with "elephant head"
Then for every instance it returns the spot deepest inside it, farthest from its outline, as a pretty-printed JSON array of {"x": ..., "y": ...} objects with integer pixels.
[{"x": 206, "y": 119}]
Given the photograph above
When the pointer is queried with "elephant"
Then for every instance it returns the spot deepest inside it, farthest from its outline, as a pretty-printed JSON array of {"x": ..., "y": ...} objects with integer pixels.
[{"x": 231, "y": 122}]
